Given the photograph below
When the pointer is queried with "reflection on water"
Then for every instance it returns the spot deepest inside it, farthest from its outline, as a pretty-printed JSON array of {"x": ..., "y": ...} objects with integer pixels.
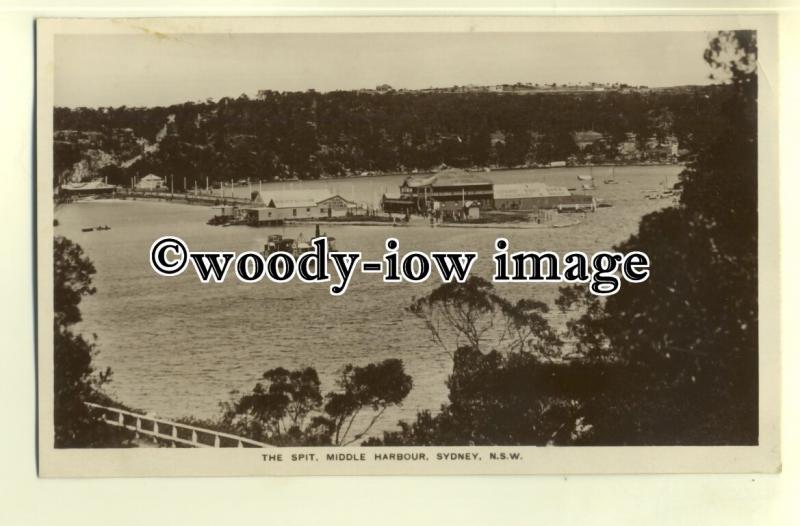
[{"x": 178, "y": 347}]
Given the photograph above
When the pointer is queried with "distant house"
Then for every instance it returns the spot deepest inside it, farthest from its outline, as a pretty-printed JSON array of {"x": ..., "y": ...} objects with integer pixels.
[
  {"x": 497, "y": 137},
  {"x": 584, "y": 139},
  {"x": 673, "y": 145},
  {"x": 662, "y": 149},
  {"x": 628, "y": 147},
  {"x": 150, "y": 182}
]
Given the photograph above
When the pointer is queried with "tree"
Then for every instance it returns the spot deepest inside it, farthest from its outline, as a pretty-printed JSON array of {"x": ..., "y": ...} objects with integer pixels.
[
  {"x": 288, "y": 409},
  {"x": 673, "y": 361},
  {"x": 277, "y": 407},
  {"x": 65, "y": 156},
  {"x": 509, "y": 383},
  {"x": 311, "y": 134},
  {"x": 688, "y": 338},
  {"x": 498, "y": 399},
  {"x": 471, "y": 314},
  {"x": 76, "y": 381},
  {"x": 375, "y": 387}
]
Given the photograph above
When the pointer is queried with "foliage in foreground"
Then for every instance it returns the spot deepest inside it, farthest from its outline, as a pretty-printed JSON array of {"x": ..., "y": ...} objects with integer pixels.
[
  {"x": 287, "y": 407},
  {"x": 76, "y": 381}
]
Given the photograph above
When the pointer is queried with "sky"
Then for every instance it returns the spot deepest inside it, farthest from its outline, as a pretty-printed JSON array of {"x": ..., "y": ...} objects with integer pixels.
[{"x": 143, "y": 70}]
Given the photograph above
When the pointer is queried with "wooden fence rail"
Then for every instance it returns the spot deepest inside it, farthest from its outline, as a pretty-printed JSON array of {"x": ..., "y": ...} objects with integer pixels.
[{"x": 174, "y": 433}]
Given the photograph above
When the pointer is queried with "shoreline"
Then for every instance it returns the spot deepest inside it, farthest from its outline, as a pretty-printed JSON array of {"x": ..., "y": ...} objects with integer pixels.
[
  {"x": 211, "y": 199},
  {"x": 472, "y": 170},
  {"x": 420, "y": 225}
]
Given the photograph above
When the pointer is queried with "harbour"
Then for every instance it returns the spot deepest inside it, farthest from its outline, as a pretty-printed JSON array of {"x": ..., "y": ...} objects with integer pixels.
[{"x": 179, "y": 349}]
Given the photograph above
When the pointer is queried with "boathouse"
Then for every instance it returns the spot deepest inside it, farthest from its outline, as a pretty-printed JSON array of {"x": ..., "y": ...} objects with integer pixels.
[
  {"x": 536, "y": 196},
  {"x": 272, "y": 207}
]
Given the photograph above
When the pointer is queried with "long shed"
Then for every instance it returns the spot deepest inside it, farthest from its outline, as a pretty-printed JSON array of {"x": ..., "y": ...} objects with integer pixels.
[{"x": 535, "y": 196}]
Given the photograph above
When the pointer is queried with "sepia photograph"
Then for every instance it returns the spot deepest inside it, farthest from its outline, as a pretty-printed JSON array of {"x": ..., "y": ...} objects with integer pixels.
[{"x": 405, "y": 246}]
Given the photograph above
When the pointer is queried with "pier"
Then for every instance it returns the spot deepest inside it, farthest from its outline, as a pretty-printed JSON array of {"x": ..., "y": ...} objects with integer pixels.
[{"x": 191, "y": 198}]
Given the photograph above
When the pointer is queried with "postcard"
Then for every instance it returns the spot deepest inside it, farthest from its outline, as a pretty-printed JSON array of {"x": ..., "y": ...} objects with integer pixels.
[{"x": 465, "y": 245}]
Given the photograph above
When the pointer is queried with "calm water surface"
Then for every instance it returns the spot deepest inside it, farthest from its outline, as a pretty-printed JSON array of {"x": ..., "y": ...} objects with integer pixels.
[{"x": 178, "y": 347}]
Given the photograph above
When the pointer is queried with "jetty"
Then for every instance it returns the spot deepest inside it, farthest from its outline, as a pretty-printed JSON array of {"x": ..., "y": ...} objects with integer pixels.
[{"x": 191, "y": 198}]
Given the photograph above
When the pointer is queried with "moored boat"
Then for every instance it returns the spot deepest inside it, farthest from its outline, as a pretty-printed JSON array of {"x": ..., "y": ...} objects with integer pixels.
[{"x": 278, "y": 243}]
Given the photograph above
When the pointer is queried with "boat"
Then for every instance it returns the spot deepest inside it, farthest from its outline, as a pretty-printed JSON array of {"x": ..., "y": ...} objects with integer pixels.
[
  {"x": 566, "y": 225},
  {"x": 278, "y": 243},
  {"x": 610, "y": 179},
  {"x": 585, "y": 178},
  {"x": 87, "y": 229}
]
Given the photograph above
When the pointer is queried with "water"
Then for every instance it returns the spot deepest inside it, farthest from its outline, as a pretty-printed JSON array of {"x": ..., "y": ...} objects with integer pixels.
[
  {"x": 178, "y": 347},
  {"x": 368, "y": 190}
]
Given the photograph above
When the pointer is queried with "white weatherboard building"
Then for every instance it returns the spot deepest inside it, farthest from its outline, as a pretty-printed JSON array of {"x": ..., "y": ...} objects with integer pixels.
[
  {"x": 150, "y": 182},
  {"x": 277, "y": 206}
]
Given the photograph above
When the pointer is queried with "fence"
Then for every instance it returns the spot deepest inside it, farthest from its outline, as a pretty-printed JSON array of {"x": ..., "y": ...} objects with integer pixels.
[{"x": 174, "y": 433}]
